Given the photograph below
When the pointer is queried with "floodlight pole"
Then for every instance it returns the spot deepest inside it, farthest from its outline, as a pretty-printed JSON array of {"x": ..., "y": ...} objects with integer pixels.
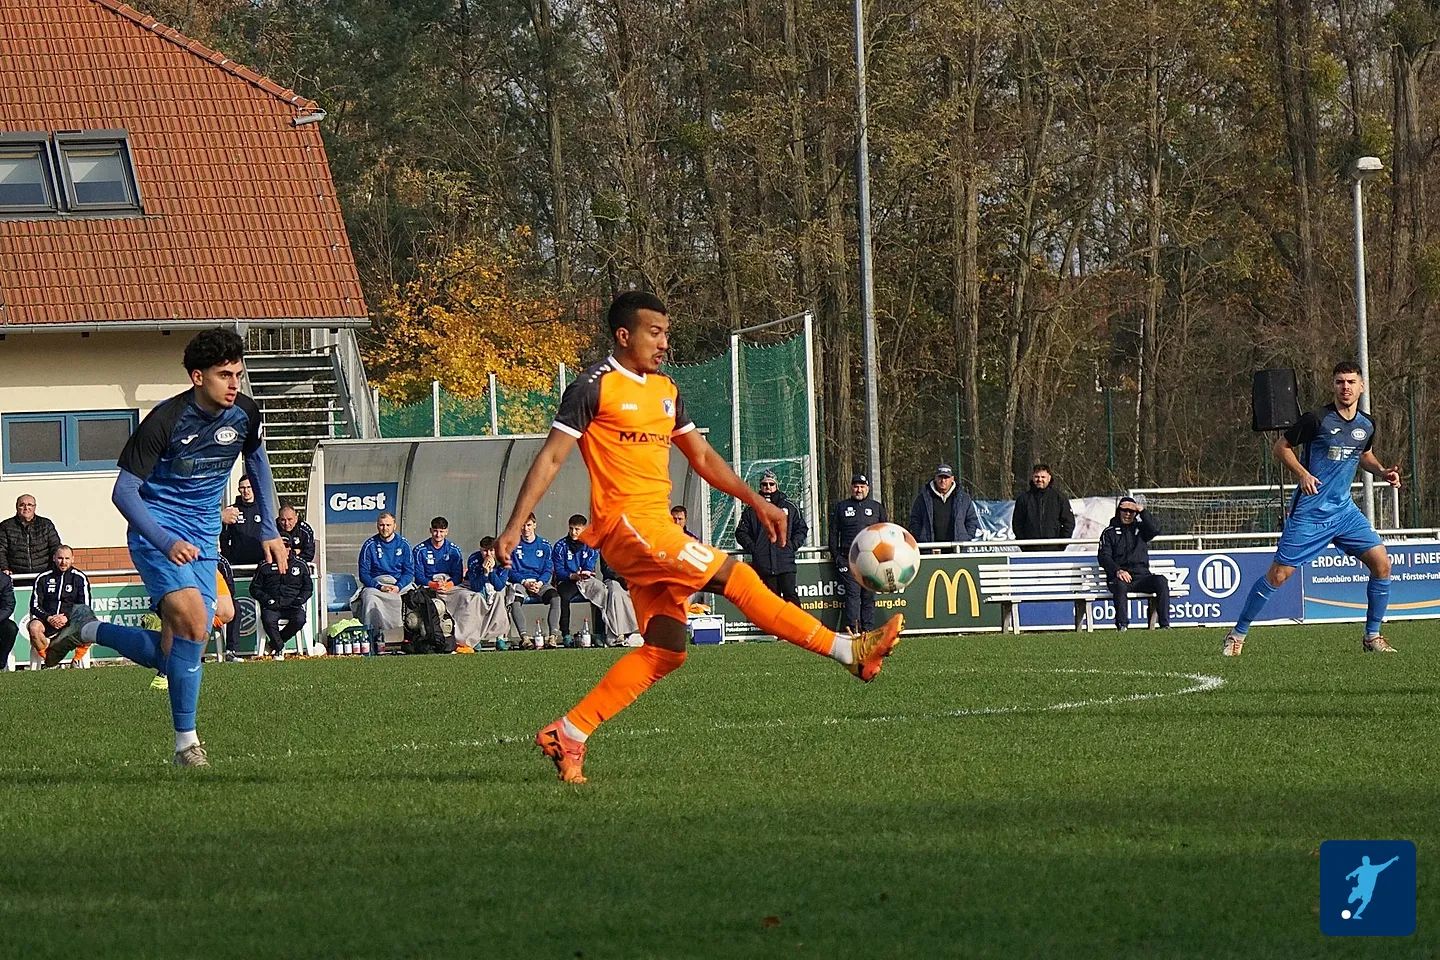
[
  {"x": 1363, "y": 169},
  {"x": 867, "y": 281}
]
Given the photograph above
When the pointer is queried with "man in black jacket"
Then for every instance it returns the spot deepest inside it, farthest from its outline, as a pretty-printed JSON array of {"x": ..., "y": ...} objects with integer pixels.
[
  {"x": 9, "y": 629},
  {"x": 282, "y": 595},
  {"x": 58, "y": 591},
  {"x": 1125, "y": 557},
  {"x": 774, "y": 563},
  {"x": 1043, "y": 511},
  {"x": 296, "y": 533},
  {"x": 27, "y": 541},
  {"x": 942, "y": 512},
  {"x": 850, "y": 516},
  {"x": 240, "y": 538}
]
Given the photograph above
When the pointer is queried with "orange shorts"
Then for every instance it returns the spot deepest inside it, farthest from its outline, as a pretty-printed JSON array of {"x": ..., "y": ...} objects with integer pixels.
[
  {"x": 663, "y": 565},
  {"x": 222, "y": 590}
]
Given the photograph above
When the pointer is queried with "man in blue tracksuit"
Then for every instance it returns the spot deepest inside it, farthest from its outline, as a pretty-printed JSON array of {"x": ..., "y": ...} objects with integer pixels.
[
  {"x": 387, "y": 570},
  {"x": 532, "y": 568},
  {"x": 576, "y": 561},
  {"x": 438, "y": 558}
]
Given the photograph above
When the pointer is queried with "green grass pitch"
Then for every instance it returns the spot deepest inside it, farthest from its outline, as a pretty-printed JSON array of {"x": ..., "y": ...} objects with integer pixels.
[{"x": 757, "y": 803}]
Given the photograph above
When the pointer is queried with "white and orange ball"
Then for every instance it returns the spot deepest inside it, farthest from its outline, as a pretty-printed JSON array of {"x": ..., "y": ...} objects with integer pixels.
[{"x": 884, "y": 558}]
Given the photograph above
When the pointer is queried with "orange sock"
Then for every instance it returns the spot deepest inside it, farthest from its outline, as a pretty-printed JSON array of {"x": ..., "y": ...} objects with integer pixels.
[
  {"x": 631, "y": 676},
  {"x": 773, "y": 615}
]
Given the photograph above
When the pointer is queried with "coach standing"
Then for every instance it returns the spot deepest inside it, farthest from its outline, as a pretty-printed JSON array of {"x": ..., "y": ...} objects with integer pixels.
[
  {"x": 847, "y": 519},
  {"x": 775, "y": 563}
]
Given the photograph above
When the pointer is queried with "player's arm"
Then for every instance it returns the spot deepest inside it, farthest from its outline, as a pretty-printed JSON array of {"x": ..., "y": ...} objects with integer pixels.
[
  {"x": 1306, "y": 429},
  {"x": 132, "y": 506},
  {"x": 713, "y": 469},
  {"x": 1371, "y": 464},
  {"x": 547, "y": 463},
  {"x": 1284, "y": 452}
]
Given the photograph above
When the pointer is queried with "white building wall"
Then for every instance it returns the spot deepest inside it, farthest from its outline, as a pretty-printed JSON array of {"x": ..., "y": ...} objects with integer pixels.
[{"x": 43, "y": 373}]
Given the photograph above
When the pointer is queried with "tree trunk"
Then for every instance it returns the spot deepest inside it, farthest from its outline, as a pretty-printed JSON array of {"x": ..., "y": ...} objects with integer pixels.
[
  {"x": 1035, "y": 127},
  {"x": 1150, "y": 338},
  {"x": 540, "y": 17},
  {"x": 835, "y": 305},
  {"x": 963, "y": 91}
]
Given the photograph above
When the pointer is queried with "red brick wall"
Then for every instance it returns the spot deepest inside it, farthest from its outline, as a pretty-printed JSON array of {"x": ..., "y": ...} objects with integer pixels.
[{"x": 103, "y": 558}]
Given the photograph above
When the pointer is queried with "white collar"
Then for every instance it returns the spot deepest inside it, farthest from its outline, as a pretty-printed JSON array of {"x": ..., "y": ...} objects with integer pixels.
[{"x": 617, "y": 365}]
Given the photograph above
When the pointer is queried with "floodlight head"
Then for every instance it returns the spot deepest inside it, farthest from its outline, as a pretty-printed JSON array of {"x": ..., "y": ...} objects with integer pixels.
[{"x": 1365, "y": 167}]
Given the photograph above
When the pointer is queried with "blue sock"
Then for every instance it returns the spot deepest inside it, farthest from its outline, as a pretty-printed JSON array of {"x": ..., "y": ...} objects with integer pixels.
[
  {"x": 1378, "y": 593},
  {"x": 1260, "y": 595},
  {"x": 142, "y": 646},
  {"x": 184, "y": 672}
]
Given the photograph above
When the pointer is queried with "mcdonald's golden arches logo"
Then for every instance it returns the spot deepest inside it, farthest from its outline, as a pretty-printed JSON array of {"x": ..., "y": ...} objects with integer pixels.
[{"x": 952, "y": 592}]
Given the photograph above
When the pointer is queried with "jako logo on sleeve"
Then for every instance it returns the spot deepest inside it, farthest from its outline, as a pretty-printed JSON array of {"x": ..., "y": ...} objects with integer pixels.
[{"x": 359, "y": 502}]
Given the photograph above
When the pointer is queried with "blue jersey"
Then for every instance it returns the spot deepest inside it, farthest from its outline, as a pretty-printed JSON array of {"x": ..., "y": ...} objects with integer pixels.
[
  {"x": 184, "y": 456},
  {"x": 430, "y": 560},
  {"x": 1332, "y": 447},
  {"x": 572, "y": 556},
  {"x": 532, "y": 561},
  {"x": 477, "y": 579},
  {"x": 391, "y": 557}
]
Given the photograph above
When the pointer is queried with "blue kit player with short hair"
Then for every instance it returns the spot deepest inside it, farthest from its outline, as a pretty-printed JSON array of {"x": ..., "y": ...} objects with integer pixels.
[
  {"x": 173, "y": 471},
  {"x": 1331, "y": 442}
]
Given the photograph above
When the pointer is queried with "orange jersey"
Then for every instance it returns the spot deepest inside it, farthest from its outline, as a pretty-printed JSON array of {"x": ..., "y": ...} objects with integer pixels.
[{"x": 625, "y": 423}]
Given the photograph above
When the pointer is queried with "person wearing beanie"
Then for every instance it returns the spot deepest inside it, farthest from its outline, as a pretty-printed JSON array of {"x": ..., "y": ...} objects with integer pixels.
[{"x": 1125, "y": 557}]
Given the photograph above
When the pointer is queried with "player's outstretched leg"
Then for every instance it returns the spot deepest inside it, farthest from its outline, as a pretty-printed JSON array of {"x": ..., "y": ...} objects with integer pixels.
[{"x": 861, "y": 654}]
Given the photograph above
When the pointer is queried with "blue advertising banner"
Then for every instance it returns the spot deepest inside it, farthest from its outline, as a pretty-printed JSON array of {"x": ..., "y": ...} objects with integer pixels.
[
  {"x": 359, "y": 502},
  {"x": 1335, "y": 584},
  {"x": 1207, "y": 587}
]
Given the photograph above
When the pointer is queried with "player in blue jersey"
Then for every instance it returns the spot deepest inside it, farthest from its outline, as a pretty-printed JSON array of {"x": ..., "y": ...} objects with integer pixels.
[
  {"x": 1322, "y": 451},
  {"x": 173, "y": 471}
]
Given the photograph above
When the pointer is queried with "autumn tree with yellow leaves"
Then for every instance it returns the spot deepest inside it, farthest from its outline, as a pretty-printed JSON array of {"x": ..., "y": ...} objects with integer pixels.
[{"x": 465, "y": 315}]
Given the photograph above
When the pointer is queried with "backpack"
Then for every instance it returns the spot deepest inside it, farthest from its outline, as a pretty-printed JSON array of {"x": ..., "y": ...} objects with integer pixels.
[{"x": 428, "y": 628}]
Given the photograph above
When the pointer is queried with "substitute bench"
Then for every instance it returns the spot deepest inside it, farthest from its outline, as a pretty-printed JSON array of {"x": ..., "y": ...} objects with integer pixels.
[{"x": 1080, "y": 582}]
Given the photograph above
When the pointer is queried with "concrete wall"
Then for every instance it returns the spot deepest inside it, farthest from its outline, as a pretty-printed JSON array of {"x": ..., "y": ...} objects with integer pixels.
[{"x": 43, "y": 373}]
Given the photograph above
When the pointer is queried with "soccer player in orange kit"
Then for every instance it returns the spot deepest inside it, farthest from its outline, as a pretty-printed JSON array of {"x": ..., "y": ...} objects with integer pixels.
[{"x": 624, "y": 415}]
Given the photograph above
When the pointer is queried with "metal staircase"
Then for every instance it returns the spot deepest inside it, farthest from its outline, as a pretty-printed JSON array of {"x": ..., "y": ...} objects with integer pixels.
[{"x": 305, "y": 395}]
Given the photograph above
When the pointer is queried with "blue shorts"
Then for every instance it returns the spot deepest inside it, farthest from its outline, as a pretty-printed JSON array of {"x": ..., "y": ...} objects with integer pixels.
[
  {"x": 1304, "y": 540},
  {"x": 163, "y": 576}
]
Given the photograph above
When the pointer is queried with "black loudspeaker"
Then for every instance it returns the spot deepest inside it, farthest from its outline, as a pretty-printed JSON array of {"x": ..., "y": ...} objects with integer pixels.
[{"x": 1272, "y": 402}]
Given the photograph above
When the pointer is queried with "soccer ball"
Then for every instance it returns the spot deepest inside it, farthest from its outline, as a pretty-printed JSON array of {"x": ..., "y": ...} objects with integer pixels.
[{"x": 884, "y": 558}]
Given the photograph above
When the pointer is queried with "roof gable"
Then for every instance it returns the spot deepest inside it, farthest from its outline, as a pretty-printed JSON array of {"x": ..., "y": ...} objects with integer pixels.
[
  {"x": 199, "y": 49},
  {"x": 240, "y": 220}
]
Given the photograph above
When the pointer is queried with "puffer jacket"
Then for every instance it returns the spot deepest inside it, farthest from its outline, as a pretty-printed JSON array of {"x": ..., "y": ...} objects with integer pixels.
[{"x": 27, "y": 547}]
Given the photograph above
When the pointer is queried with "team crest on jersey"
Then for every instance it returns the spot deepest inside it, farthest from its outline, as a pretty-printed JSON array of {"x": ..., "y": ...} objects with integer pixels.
[
  {"x": 1358, "y": 433},
  {"x": 668, "y": 406},
  {"x": 226, "y": 435}
]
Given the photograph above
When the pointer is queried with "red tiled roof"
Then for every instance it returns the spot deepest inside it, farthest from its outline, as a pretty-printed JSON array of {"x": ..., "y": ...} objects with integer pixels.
[{"x": 241, "y": 220}]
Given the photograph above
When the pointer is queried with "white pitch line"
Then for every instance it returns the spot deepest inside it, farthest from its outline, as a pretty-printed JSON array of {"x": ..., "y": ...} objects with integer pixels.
[{"x": 1199, "y": 683}]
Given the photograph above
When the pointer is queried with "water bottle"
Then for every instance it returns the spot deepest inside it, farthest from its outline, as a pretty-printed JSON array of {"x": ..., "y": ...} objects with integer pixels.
[
  {"x": 365, "y": 647},
  {"x": 349, "y": 646},
  {"x": 539, "y": 638},
  {"x": 585, "y": 636}
]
